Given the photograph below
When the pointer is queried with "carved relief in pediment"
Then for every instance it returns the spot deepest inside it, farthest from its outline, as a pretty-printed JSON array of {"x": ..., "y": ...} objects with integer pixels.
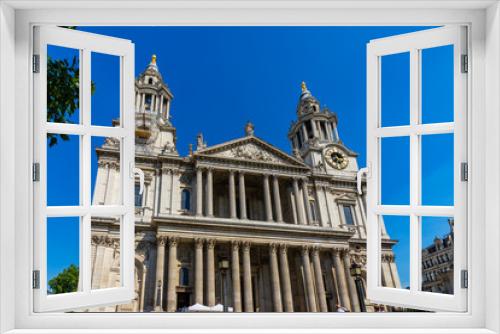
[{"x": 250, "y": 152}]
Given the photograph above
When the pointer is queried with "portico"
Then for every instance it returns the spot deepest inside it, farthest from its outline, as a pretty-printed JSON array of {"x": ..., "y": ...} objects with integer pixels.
[{"x": 292, "y": 273}]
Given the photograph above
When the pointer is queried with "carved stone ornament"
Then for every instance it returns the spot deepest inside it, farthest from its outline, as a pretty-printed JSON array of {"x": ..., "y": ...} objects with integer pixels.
[
  {"x": 252, "y": 152},
  {"x": 235, "y": 244},
  {"x": 198, "y": 242},
  {"x": 210, "y": 243}
]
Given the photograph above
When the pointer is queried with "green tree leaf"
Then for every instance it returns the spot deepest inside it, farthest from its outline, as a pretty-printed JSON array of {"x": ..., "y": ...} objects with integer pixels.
[{"x": 65, "y": 281}]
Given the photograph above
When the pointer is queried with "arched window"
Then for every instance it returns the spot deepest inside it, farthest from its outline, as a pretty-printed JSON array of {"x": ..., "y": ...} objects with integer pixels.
[
  {"x": 185, "y": 200},
  {"x": 184, "y": 277},
  {"x": 150, "y": 81}
]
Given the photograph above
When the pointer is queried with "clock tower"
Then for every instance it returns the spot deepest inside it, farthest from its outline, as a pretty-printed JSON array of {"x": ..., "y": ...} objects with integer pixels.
[{"x": 315, "y": 138}]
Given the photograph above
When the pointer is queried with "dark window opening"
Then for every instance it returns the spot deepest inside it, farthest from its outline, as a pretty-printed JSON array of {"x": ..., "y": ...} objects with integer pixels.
[
  {"x": 184, "y": 276},
  {"x": 349, "y": 219},
  {"x": 137, "y": 196},
  {"x": 186, "y": 200}
]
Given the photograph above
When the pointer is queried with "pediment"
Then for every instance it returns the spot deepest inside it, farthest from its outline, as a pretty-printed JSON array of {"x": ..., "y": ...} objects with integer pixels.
[{"x": 251, "y": 149}]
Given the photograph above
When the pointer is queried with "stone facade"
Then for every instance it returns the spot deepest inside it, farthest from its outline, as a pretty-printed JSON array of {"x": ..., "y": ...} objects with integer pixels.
[
  {"x": 289, "y": 226},
  {"x": 437, "y": 264}
]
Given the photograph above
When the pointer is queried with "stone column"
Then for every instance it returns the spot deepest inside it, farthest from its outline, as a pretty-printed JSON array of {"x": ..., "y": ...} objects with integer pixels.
[
  {"x": 172, "y": 275},
  {"x": 304, "y": 132},
  {"x": 299, "y": 203},
  {"x": 341, "y": 279},
  {"x": 314, "y": 128},
  {"x": 235, "y": 275},
  {"x": 275, "y": 278},
  {"x": 306, "y": 264},
  {"x": 350, "y": 282},
  {"x": 210, "y": 273},
  {"x": 247, "y": 278},
  {"x": 168, "y": 109},
  {"x": 243, "y": 201},
  {"x": 210, "y": 193},
  {"x": 277, "y": 199},
  {"x": 143, "y": 97},
  {"x": 198, "y": 271},
  {"x": 199, "y": 192},
  {"x": 160, "y": 271},
  {"x": 305, "y": 194},
  {"x": 285, "y": 279},
  {"x": 267, "y": 199},
  {"x": 320, "y": 287},
  {"x": 232, "y": 195},
  {"x": 161, "y": 105}
]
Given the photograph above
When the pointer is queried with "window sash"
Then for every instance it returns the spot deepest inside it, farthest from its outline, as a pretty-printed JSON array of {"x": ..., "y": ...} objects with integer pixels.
[
  {"x": 413, "y": 43},
  {"x": 85, "y": 43}
]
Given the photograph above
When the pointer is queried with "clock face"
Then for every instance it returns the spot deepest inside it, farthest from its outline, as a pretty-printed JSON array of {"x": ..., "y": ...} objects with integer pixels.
[{"x": 336, "y": 158}]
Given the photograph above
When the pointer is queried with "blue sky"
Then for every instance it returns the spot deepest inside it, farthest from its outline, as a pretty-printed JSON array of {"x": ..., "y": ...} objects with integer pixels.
[{"x": 222, "y": 77}]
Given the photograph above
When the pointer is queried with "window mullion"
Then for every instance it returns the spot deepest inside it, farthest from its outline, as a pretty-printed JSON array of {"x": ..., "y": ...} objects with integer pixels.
[
  {"x": 85, "y": 154},
  {"x": 415, "y": 173}
]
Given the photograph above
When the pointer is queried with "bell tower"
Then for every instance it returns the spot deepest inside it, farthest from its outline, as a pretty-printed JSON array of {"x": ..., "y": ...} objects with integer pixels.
[
  {"x": 314, "y": 135},
  {"x": 152, "y": 111}
]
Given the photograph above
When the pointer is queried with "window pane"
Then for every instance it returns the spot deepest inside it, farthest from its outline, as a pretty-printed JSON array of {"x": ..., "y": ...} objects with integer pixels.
[
  {"x": 437, "y": 254},
  {"x": 106, "y": 175},
  {"x": 63, "y": 170},
  {"x": 137, "y": 196},
  {"x": 105, "y": 89},
  {"x": 106, "y": 252},
  {"x": 395, "y": 174},
  {"x": 63, "y": 254},
  {"x": 437, "y": 170},
  {"x": 395, "y": 246},
  {"x": 63, "y": 85},
  {"x": 395, "y": 90},
  {"x": 437, "y": 84},
  {"x": 348, "y": 214}
]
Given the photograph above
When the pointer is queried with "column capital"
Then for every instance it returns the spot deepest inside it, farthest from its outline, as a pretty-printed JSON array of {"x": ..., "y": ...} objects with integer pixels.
[
  {"x": 283, "y": 248},
  {"x": 198, "y": 242},
  {"x": 210, "y": 243},
  {"x": 232, "y": 172},
  {"x": 161, "y": 240},
  {"x": 246, "y": 246},
  {"x": 273, "y": 247},
  {"x": 305, "y": 249},
  {"x": 315, "y": 250},
  {"x": 172, "y": 241},
  {"x": 339, "y": 250},
  {"x": 235, "y": 244}
]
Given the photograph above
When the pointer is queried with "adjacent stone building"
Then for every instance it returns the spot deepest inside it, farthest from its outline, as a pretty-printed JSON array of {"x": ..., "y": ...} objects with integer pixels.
[
  {"x": 437, "y": 264},
  {"x": 240, "y": 223}
]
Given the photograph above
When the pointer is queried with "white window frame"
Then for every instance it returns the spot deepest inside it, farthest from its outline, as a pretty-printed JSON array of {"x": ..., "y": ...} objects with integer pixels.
[
  {"x": 85, "y": 44},
  {"x": 16, "y": 20},
  {"x": 413, "y": 43}
]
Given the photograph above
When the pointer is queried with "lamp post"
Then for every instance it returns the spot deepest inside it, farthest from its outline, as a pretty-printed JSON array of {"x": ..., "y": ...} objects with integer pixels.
[
  {"x": 223, "y": 267},
  {"x": 356, "y": 273}
]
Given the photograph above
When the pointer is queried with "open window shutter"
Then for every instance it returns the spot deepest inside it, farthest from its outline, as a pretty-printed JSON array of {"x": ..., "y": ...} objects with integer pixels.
[
  {"x": 82, "y": 132},
  {"x": 415, "y": 132}
]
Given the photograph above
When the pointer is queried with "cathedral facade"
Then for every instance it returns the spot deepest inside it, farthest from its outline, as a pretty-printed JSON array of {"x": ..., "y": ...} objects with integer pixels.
[{"x": 240, "y": 223}]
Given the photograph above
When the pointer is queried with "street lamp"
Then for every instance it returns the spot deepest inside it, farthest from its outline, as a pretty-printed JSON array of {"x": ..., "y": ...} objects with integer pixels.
[
  {"x": 356, "y": 273},
  {"x": 223, "y": 267}
]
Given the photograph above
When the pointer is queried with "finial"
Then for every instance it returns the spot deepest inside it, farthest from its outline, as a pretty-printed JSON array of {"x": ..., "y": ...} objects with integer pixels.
[
  {"x": 303, "y": 86},
  {"x": 153, "y": 59},
  {"x": 249, "y": 129},
  {"x": 190, "y": 149}
]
